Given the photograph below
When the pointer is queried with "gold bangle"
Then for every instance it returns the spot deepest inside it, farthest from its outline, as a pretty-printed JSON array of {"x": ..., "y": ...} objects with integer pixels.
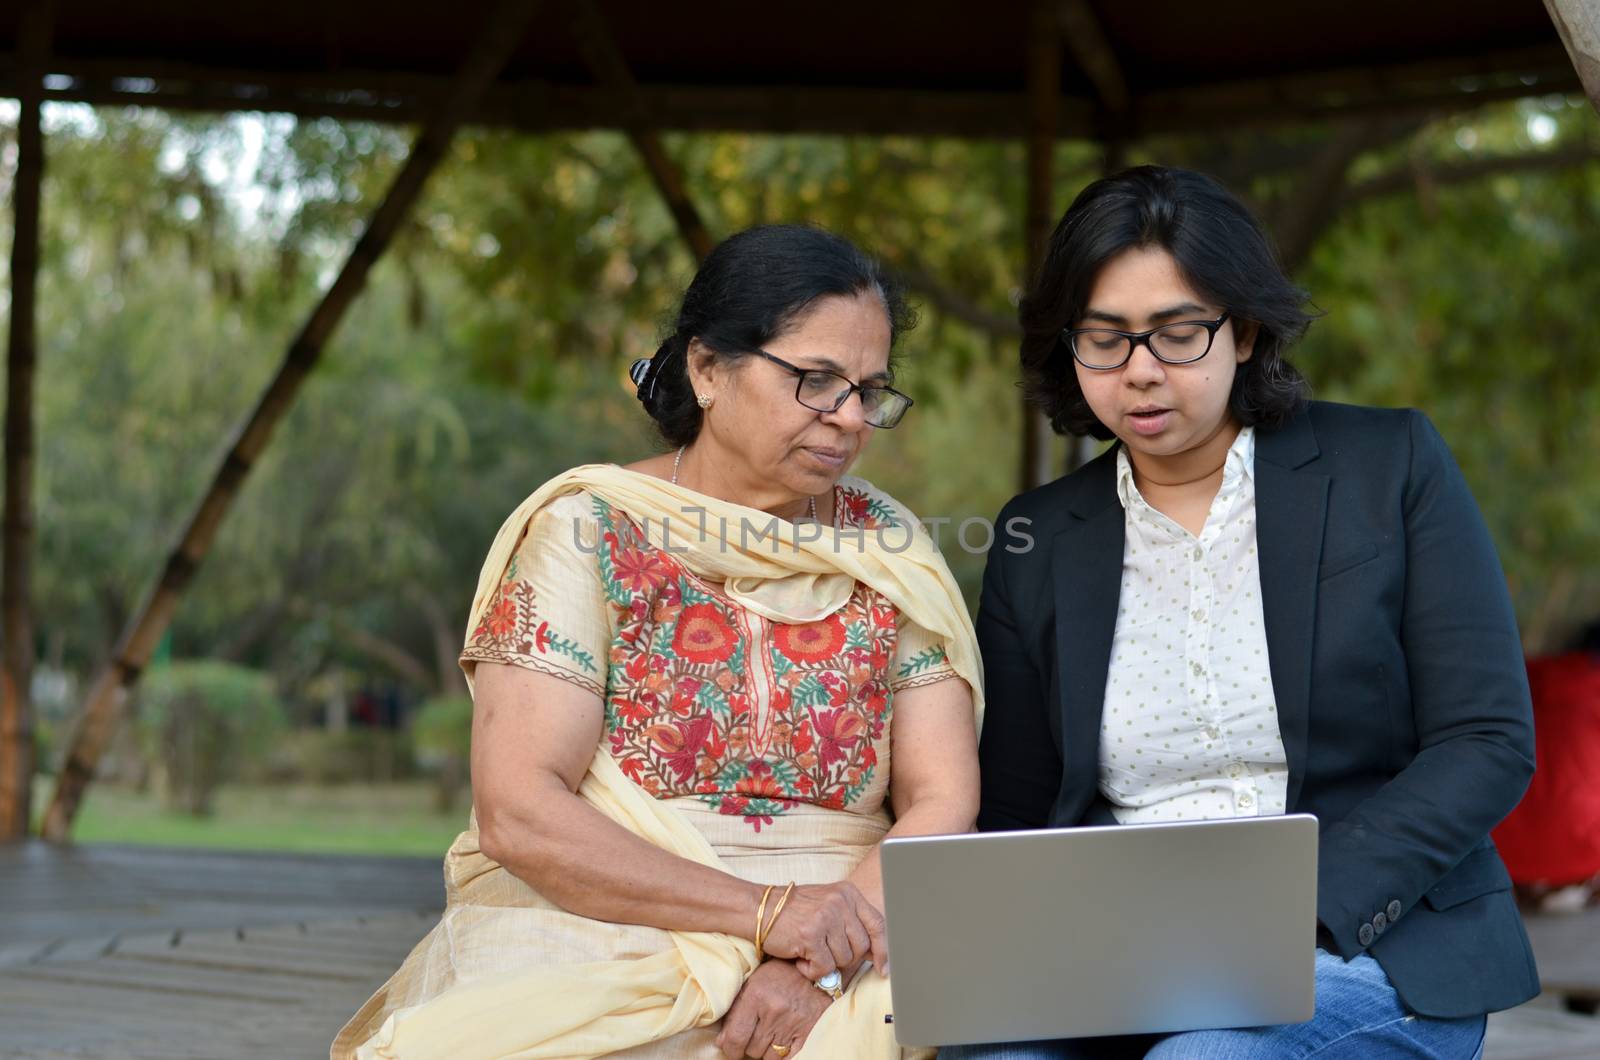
[
  {"x": 778, "y": 909},
  {"x": 761, "y": 914}
]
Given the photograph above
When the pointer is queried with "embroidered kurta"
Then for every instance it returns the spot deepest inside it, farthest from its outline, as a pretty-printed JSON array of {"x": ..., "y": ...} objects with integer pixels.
[
  {"x": 764, "y": 741},
  {"x": 704, "y": 698},
  {"x": 1190, "y": 728}
]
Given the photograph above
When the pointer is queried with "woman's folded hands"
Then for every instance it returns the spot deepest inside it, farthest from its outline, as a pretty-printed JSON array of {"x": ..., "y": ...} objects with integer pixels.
[
  {"x": 777, "y": 1006},
  {"x": 828, "y": 927}
]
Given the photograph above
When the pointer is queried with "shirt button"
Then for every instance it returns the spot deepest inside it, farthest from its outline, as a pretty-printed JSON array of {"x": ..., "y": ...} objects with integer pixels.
[
  {"x": 1246, "y": 800},
  {"x": 1236, "y": 771},
  {"x": 1212, "y": 732},
  {"x": 1199, "y": 553},
  {"x": 1198, "y": 614},
  {"x": 1197, "y": 668}
]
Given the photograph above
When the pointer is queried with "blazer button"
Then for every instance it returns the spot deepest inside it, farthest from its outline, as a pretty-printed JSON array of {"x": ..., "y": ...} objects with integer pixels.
[
  {"x": 1394, "y": 910},
  {"x": 1379, "y": 922},
  {"x": 1365, "y": 935}
]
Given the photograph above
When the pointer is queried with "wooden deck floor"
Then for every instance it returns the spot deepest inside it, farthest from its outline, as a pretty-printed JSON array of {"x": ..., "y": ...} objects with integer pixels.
[
  {"x": 132, "y": 952},
  {"x": 137, "y": 952}
]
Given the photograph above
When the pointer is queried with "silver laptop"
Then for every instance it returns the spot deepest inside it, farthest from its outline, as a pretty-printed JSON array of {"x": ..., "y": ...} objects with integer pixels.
[{"x": 1069, "y": 933}]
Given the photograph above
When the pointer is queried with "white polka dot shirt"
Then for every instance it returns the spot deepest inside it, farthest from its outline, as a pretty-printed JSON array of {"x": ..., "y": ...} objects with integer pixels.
[{"x": 1190, "y": 728}]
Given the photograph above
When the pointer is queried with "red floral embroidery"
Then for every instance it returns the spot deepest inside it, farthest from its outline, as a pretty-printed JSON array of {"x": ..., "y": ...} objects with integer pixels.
[
  {"x": 703, "y": 635},
  {"x": 839, "y": 731},
  {"x": 680, "y": 744},
  {"x": 856, "y": 507},
  {"x": 760, "y": 786},
  {"x": 639, "y": 571},
  {"x": 811, "y": 642},
  {"x": 500, "y": 619},
  {"x": 749, "y": 716}
]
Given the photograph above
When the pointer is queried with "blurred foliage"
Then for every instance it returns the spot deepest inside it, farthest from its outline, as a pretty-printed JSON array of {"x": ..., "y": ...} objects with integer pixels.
[
  {"x": 442, "y": 731},
  {"x": 333, "y": 757},
  {"x": 489, "y": 351},
  {"x": 201, "y": 721}
]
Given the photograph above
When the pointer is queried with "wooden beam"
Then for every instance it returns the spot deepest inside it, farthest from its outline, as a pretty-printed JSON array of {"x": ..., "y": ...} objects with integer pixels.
[
  {"x": 544, "y": 106},
  {"x": 1092, "y": 51},
  {"x": 1405, "y": 179},
  {"x": 604, "y": 59},
  {"x": 1044, "y": 118},
  {"x": 16, "y": 566},
  {"x": 1578, "y": 22},
  {"x": 103, "y": 708}
]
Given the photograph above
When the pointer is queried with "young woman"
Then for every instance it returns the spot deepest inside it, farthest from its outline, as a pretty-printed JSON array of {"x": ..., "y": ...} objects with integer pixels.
[{"x": 1255, "y": 604}]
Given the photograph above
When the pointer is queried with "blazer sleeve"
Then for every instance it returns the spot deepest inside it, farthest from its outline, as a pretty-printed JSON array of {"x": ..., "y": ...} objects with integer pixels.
[
  {"x": 1469, "y": 698},
  {"x": 1021, "y": 767}
]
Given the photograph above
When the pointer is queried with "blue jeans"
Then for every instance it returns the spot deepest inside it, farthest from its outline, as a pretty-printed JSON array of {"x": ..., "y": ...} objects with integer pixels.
[{"x": 1359, "y": 1017}]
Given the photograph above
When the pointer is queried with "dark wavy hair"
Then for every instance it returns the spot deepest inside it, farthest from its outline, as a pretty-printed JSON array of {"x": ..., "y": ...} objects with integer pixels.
[
  {"x": 752, "y": 288},
  {"x": 1223, "y": 253}
]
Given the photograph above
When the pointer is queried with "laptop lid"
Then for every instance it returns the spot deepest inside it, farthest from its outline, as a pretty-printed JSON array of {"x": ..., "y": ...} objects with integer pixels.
[{"x": 1066, "y": 933}]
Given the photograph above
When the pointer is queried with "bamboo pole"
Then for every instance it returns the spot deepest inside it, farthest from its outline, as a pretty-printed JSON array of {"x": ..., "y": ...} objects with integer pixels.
[
  {"x": 605, "y": 61},
  {"x": 1044, "y": 108},
  {"x": 1578, "y": 22},
  {"x": 103, "y": 708},
  {"x": 16, "y": 564}
]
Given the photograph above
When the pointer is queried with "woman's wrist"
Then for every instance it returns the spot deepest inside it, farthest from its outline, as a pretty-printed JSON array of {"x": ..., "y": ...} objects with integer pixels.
[{"x": 738, "y": 913}]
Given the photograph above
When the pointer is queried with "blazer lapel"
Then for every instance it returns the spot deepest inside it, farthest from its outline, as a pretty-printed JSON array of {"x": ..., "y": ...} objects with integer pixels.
[
  {"x": 1087, "y": 562},
  {"x": 1291, "y": 510}
]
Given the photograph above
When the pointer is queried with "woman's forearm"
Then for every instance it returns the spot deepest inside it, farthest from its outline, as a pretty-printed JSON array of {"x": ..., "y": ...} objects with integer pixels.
[
  {"x": 589, "y": 865},
  {"x": 951, "y": 815}
]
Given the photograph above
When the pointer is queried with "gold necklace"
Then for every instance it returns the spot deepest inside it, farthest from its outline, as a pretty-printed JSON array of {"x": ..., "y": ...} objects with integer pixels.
[{"x": 678, "y": 460}]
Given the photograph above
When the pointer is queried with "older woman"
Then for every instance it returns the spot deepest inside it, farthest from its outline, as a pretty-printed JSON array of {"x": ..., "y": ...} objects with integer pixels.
[{"x": 691, "y": 676}]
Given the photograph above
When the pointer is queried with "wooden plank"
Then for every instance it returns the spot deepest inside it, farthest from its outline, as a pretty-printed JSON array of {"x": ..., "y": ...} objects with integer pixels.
[
  {"x": 1578, "y": 22},
  {"x": 49, "y": 893},
  {"x": 151, "y": 977},
  {"x": 265, "y": 967},
  {"x": 1567, "y": 947},
  {"x": 40, "y": 1017},
  {"x": 1540, "y": 1031},
  {"x": 273, "y": 952},
  {"x": 542, "y": 106}
]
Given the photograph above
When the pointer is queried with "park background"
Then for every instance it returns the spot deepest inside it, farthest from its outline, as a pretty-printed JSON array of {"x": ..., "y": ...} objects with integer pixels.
[
  {"x": 307, "y": 695},
  {"x": 301, "y": 299}
]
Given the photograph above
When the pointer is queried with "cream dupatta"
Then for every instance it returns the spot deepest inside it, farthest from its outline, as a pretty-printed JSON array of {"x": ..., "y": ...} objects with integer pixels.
[{"x": 607, "y": 1006}]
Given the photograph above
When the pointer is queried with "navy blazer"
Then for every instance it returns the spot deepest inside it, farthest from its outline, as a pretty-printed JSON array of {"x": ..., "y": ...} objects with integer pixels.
[{"x": 1398, "y": 672}]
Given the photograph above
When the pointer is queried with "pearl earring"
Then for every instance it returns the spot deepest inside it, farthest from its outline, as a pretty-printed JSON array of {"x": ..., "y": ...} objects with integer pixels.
[{"x": 705, "y": 400}]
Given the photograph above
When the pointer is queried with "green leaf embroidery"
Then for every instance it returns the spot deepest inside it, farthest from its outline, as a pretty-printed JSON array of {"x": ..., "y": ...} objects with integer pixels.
[{"x": 922, "y": 661}]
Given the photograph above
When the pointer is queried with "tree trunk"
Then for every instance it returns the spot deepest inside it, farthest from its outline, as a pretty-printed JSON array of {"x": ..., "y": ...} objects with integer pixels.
[{"x": 16, "y": 597}]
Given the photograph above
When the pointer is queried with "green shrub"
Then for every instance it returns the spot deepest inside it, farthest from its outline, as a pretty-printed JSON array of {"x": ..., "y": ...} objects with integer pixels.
[
  {"x": 442, "y": 730},
  {"x": 203, "y": 722},
  {"x": 358, "y": 755}
]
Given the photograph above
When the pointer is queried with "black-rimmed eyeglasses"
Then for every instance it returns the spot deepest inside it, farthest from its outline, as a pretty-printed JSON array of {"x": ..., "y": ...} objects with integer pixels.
[
  {"x": 823, "y": 391},
  {"x": 1103, "y": 349}
]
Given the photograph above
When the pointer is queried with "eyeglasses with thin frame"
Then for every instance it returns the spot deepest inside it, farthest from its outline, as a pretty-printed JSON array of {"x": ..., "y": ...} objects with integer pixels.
[
  {"x": 823, "y": 391},
  {"x": 1106, "y": 349}
]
